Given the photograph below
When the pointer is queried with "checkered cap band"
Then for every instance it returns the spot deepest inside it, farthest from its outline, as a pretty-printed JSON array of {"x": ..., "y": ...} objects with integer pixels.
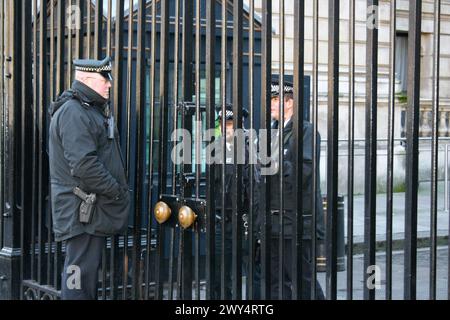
[{"x": 275, "y": 89}]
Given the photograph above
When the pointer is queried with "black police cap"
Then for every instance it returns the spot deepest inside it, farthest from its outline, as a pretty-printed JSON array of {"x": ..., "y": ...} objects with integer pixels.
[
  {"x": 104, "y": 67},
  {"x": 275, "y": 85},
  {"x": 275, "y": 88},
  {"x": 229, "y": 115}
]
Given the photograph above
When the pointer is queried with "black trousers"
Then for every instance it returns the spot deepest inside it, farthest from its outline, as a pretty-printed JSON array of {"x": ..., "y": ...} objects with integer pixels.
[
  {"x": 80, "y": 273},
  {"x": 288, "y": 271},
  {"x": 225, "y": 265}
]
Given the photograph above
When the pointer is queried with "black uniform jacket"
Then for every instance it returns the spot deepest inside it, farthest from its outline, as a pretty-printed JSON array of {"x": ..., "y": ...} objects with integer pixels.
[
  {"x": 81, "y": 154},
  {"x": 291, "y": 191}
]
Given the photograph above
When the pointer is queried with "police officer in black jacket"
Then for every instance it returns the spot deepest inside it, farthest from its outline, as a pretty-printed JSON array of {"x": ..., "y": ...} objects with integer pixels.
[
  {"x": 84, "y": 153},
  {"x": 290, "y": 194},
  {"x": 229, "y": 180}
]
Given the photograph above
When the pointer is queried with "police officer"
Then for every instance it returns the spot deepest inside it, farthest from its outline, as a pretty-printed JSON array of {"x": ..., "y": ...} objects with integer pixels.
[
  {"x": 229, "y": 180},
  {"x": 290, "y": 194},
  {"x": 89, "y": 190}
]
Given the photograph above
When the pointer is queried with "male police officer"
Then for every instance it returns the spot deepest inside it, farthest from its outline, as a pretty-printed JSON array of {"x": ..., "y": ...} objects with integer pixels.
[
  {"x": 89, "y": 191},
  {"x": 243, "y": 156},
  {"x": 290, "y": 195}
]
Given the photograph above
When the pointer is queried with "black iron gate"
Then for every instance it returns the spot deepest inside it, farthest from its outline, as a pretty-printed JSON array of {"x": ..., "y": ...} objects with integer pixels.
[{"x": 176, "y": 64}]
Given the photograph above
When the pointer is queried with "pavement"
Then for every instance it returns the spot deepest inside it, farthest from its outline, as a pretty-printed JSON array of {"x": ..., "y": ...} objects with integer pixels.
[
  {"x": 398, "y": 224},
  {"x": 422, "y": 276},
  {"x": 398, "y": 233}
]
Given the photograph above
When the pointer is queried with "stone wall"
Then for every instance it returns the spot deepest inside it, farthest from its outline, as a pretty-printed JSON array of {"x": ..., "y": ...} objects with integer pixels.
[{"x": 360, "y": 71}]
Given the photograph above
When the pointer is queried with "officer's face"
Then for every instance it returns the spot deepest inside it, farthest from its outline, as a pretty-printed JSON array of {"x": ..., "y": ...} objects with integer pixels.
[
  {"x": 275, "y": 108},
  {"x": 229, "y": 130},
  {"x": 99, "y": 84}
]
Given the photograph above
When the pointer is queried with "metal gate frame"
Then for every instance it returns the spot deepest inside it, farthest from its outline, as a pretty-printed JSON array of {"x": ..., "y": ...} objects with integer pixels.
[{"x": 36, "y": 64}]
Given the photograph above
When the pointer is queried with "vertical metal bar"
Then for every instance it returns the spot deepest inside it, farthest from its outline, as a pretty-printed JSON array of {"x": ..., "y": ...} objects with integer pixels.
[
  {"x": 164, "y": 79},
  {"x": 179, "y": 261},
  {"x": 370, "y": 192},
  {"x": 35, "y": 158},
  {"x": 140, "y": 134},
  {"x": 351, "y": 151},
  {"x": 171, "y": 262},
  {"x": 184, "y": 267},
  {"x": 118, "y": 96},
  {"x": 42, "y": 115},
  {"x": 333, "y": 135},
  {"x": 266, "y": 66},
  {"x": 109, "y": 29},
  {"x": 184, "y": 290},
  {"x": 223, "y": 61},
  {"x": 251, "y": 242},
  {"x": 196, "y": 231},
  {"x": 448, "y": 281},
  {"x": 118, "y": 63},
  {"x": 60, "y": 86},
  {"x": 88, "y": 29},
  {"x": 198, "y": 26},
  {"x": 446, "y": 193},
  {"x": 390, "y": 151},
  {"x": 412, "y": 148},
  {"x": 210, "y": 168},
  {"x": 163, "y": 128},
  {"x": 435, "y": 147},
  {"x": 298, "y": 117},
  {"x": 52, "y": 94},
  {"x": 315, "y": 183},
  {"x": 237, "y": 176},
  {"x": 448, "y": 243},
  {"x": 128, "y": 126},
  {"x": 281, "y": 270},
  {"x": 104, "y": 267},
  {"x": 151, "y": 138},
  {"x": 52, "y": 52},
  {"x": 98, "y": 37},
  {"x": 60, "y": 49},
  {"x": 105, "y": 250},
  {"x": 69, "y": 25},
  {"x": 197, "y": 135},
  {"x": 2, "y": 114},
  {"x": 26, "y": 143},
  {"x": 175, "y": 127},
  {"x": 176, "y": 87},
  {"x": 79, "y": 33}
]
